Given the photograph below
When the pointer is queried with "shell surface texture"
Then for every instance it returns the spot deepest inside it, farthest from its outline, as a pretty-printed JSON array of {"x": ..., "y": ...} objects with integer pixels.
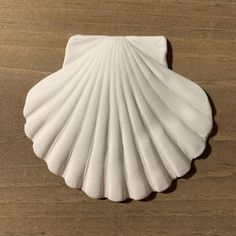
[{"x": 114, "y": 121}]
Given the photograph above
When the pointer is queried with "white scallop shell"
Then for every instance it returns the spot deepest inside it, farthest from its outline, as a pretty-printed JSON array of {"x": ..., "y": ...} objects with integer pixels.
[{"x": 115, "y": 121}]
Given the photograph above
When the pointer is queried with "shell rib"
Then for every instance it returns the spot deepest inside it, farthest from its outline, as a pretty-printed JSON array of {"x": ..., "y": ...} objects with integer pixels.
[{"x": 114, "y": 121}]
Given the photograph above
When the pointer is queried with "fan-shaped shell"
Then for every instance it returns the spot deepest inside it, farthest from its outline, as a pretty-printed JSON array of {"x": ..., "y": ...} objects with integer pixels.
[{"x": 114, "y": 121}]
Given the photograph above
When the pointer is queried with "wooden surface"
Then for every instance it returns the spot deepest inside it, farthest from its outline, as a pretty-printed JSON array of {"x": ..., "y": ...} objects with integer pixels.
[{"x": 33, "y": 35}]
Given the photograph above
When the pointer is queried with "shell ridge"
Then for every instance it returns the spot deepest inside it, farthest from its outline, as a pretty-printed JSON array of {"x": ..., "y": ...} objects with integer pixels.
[
  {"x": 96, "y": 137},
  {"x": 137, "y": 144},
  {"x": 135, "y": 177},
  {"x": 125, "y": 170},
  {"x": 88, "y": 161},
  {"x": 107, "y": 192},
  {"x": 165, "y": 105},
  {"x": 114, "y": 131},
  {"x": 106, "y": 185},
  {"x": 95, "y": 129},
  {"x": 149, "y": 61}
]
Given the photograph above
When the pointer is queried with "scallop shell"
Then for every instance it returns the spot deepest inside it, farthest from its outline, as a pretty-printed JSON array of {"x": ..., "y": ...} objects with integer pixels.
[{"x": 114, "y": 121}]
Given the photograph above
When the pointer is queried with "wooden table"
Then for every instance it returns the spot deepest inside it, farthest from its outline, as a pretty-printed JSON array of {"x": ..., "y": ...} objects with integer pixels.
[{"x": 33, "y": 35}]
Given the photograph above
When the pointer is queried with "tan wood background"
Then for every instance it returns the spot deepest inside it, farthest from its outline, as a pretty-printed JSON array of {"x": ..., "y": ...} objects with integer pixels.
[{"x": 33, "y": 35}]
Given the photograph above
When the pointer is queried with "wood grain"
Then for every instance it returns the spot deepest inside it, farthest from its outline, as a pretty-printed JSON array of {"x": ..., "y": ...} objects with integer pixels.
[{"x": 33, "y": 35}]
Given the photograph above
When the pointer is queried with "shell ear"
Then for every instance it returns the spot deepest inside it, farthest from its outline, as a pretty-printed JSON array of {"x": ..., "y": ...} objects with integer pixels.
[
  {"x": 78, "y": 45},
  {"x": 153, "y": 46}
]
